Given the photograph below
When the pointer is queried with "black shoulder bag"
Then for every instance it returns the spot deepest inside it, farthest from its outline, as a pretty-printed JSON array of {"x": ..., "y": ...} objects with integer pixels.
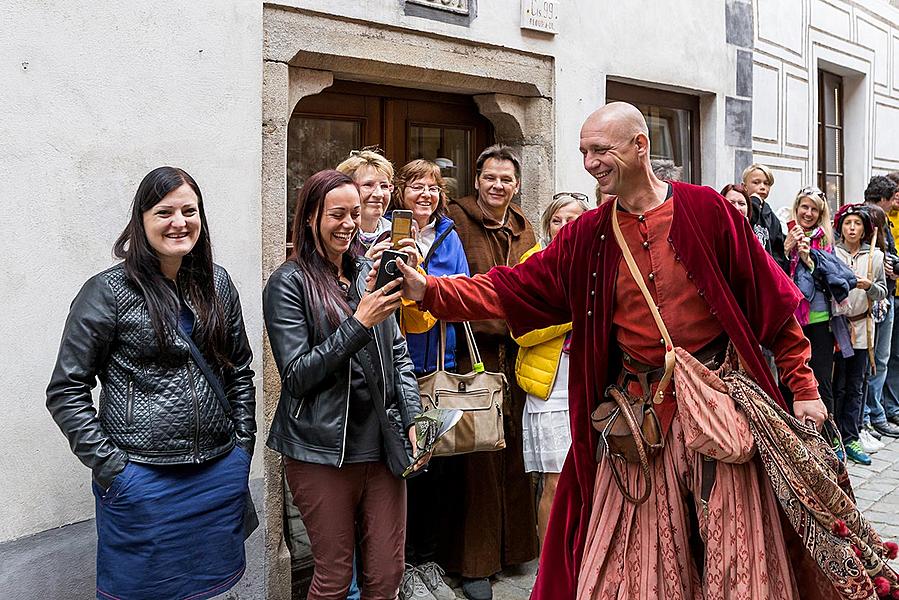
[{"x": 250, "y": 519}]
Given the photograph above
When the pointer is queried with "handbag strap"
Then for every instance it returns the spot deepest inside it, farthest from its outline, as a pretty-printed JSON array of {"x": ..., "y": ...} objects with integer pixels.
[
  {"x": 206, "y": 370},
  {"x": 476, "y": 364},
  {"x": 638, "y": 278}
]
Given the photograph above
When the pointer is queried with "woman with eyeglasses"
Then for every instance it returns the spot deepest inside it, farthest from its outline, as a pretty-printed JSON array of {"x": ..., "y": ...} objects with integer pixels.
[
  {"x": 420, "y": 189},
  {"x": 542, "y": 371},
  {"x": 373, "y": 175}
]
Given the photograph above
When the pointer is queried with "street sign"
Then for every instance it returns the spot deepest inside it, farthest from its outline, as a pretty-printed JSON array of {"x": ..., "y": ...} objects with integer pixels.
[{"x": 540, "y": 15}]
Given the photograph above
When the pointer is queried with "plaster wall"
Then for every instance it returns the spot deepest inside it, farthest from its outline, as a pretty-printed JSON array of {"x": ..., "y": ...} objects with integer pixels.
[
  {"x": 93, "y": 96},
  {"x": 642, "y": 43},
  {"x": 856, "y": 39}
]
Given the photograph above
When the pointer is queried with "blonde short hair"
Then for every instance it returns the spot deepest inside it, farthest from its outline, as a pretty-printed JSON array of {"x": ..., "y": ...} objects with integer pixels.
[
  {"x": 366, "y": 158},
  {"x": 766, "y": 170}
]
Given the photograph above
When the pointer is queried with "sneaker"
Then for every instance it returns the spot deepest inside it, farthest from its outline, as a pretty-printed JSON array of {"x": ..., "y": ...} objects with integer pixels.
[
  {"x": 869, "y": 443},
  {"x": 856, "y": 454},
  {"x": 876, "y": 434},
  {"x": 477, "y": 589},
  {"x": 432, "y": 576},
  {"x": 887, "y": 429},
  {"x": 412, "y": 587}
]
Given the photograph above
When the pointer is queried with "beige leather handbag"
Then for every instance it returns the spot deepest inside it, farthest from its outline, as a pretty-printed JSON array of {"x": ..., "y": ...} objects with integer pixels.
[{"x": 479, "y": 395}]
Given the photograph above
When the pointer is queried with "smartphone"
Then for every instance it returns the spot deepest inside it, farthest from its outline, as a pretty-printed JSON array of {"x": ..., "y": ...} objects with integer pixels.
[
  {"x": 388, "y": 270},
  {"x": 400, "y": 227}
]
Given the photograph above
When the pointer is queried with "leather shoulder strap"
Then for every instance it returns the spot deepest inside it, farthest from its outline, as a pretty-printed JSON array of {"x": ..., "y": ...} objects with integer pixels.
[{"x": 638, "y": 278}]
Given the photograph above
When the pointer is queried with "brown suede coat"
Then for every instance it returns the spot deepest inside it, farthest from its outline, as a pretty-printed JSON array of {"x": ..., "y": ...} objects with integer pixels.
[{"x": 488, "y": 516}]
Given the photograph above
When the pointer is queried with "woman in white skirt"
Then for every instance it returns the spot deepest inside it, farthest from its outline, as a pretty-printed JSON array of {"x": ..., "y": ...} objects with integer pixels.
[{"x": 542, "y": 372}]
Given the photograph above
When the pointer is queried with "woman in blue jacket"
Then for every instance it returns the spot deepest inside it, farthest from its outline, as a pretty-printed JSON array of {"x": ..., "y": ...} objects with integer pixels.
[{"x": 419, "y": 187}]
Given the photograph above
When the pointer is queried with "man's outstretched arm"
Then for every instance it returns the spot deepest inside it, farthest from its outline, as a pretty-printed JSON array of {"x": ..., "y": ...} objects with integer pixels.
[{"x": 453, "y": 298}]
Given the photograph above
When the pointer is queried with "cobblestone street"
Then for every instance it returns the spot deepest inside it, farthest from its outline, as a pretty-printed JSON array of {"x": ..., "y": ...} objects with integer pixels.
[{"x": 876, "y": 489}]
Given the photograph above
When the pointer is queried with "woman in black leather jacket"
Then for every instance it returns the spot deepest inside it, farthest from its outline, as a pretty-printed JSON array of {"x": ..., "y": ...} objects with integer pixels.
[
  {"x": 170, "y": 445},
  {"x": 348, "y": 394}
]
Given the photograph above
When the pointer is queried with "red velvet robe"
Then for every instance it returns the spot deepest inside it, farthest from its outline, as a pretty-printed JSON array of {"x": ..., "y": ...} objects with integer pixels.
[{"x": 752, "y": 297}]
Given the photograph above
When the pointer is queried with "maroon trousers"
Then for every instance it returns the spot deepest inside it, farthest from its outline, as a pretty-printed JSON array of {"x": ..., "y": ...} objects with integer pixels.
[{"x": 333, "y": 502}]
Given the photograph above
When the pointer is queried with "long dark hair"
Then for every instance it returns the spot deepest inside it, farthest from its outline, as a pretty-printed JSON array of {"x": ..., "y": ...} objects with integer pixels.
[
  {"x": 143, "y": 268},
  {"x": 320, "y": 274}
]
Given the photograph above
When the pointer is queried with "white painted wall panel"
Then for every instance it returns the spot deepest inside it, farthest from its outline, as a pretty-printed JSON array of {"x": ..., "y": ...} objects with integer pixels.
[
  {"x": 798, "y": 115},
  {"x": 877, "y": 39},
  {"x": 886, "y": 132},
  {"x": 831, "y": 19},
  {"x": 781, "y": 24},
  {"x": 787, "y": 182},
  {"x": 766, "y": 102}
]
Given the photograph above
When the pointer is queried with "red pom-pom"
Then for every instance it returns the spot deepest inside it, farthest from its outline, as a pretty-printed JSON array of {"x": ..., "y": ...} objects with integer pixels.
[
  {"x": 857, "y": 550},
  {"x": 892, "y": 549},
  {"x": 895, "y": 594},
  {"x": 882, "y": 587},
  {"x": 839, "y": 528}
]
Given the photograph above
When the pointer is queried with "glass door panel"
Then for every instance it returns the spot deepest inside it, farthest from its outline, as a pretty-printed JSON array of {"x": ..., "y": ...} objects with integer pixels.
[
  {"x": 449, "y": 147},
  {"x": 314, "y": 144}
]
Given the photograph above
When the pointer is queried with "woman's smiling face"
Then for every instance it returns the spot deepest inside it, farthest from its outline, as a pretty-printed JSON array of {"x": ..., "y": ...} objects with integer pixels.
[{"x": 339, "y": 221}]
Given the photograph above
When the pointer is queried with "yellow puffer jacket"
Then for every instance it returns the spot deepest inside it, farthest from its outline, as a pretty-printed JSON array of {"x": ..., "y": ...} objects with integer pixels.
[{"x": 538, "y": 357}]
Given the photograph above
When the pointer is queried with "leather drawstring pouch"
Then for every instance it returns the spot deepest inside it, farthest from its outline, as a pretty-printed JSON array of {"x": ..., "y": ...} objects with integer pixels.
[{"x": 701, "y": 391}]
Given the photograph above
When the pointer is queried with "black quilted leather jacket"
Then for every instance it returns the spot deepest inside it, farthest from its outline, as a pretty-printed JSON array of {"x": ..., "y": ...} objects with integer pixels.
[
  {"x": 310, "y": 420},
  {"x": 154, "y": 408}
]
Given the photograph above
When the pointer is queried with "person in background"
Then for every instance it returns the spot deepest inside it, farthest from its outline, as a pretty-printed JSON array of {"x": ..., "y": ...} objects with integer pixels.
[
  {"x": 171, "y": 444},
  {"x": 735, "y": 193},
  {"x": 419, "y": 188},
  {"x": 856, "y": 231},
  {"x": 490, "y": 520},
  {"x": 758, "y": 180},
  {"x": 890, "y": 398},
  {"x": 542, "y": 371},
  {"x": 879, "y": 197},
  {"x": 810, "y": 235},
  {"x": 373, "y": 175},
  {"x": 345, "y": 372},
  {"x": 666, "y": 170}
]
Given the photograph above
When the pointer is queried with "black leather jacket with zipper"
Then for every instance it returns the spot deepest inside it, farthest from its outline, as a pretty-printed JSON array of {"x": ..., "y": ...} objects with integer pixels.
[
  {"x": 314, "y": 362},
  {"x": 154, "y": 407}
]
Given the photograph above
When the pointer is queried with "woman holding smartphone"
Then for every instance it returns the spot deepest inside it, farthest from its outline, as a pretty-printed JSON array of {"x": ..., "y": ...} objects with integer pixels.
[
  {"x": 170, "y": 445},
  {"x": 419, "y": 189},
  {"x": 344, "y": 368}
]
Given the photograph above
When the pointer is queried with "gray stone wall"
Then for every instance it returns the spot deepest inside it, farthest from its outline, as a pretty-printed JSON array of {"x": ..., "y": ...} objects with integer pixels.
[{"x": 738, "y": 108}]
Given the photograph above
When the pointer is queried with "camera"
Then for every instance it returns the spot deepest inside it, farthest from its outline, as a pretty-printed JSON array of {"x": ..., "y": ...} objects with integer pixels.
[{"x": 388, "y": 271}]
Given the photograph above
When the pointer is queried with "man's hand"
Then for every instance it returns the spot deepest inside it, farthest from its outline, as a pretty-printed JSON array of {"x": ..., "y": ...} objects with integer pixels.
[
  {"x": 422, "y": 460},
  {"x": 414, "y": 283},
  {"x": 810, "y": 410}
]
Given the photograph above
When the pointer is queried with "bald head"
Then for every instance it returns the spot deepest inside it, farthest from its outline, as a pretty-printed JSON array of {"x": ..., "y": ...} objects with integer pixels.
[
  {"x": 615, "y": 146},
  {"x": 618, "y": 119}
]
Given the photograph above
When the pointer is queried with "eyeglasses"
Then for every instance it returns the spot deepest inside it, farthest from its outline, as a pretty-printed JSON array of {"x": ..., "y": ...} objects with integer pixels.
[
  {"x": 812, "y": 191},
  {"x": 376, "y": 149},
  {"x": 418, "y": 188},
  {"x": 372, "y": 186},
  {"x": 575, "y": 195}
]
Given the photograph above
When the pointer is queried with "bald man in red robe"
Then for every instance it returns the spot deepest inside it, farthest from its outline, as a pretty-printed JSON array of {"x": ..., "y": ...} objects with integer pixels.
[{"x": 710, "y": 278}]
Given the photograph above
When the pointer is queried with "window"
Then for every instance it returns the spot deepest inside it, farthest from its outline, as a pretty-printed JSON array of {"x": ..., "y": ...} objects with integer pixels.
[
  {"x": 830, "y": 137},
  {"x": 673, "y": 121}
]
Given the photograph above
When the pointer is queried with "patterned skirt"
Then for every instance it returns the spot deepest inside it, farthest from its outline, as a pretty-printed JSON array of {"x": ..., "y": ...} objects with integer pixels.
[{"x": 638, "y": 552}]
